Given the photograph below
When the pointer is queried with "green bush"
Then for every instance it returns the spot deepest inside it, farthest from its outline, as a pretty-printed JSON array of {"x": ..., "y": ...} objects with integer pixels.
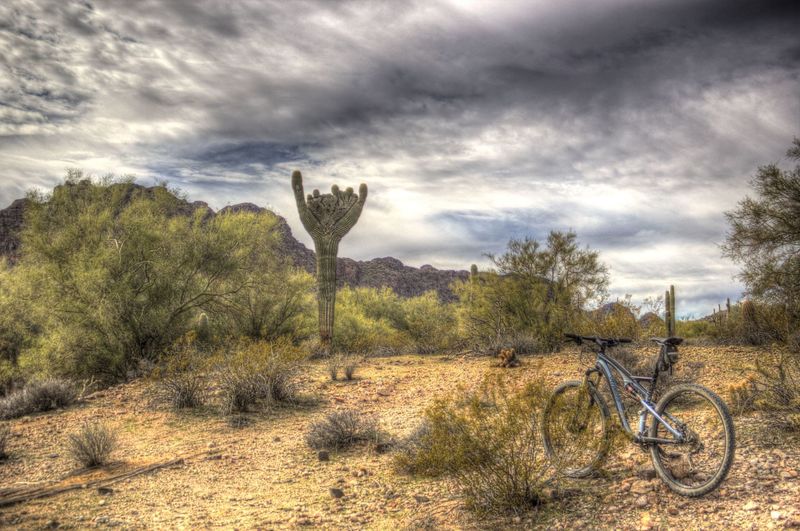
[
  {"x": 430, "y": 324},
  {"x": 113, "y": 273},
  {"x": 38, "y": 396},
  {"x": 537, "y": 291},
  {"x": 489, "y": 441},
  {"x": 366, "y": 322}
]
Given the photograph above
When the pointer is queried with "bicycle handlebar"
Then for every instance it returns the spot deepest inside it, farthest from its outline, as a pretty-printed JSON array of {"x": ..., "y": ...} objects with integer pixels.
[{"x": 600, "y": 341}]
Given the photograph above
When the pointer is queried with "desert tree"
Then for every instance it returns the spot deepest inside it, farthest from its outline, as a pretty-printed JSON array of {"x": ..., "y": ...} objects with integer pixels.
[
  {"x": 764, "y": 236},
  {"x": 123, "y": 271}
]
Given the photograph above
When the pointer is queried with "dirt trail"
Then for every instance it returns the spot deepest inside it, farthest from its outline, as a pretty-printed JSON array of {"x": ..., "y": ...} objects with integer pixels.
[{"x": 263, "y": 475}]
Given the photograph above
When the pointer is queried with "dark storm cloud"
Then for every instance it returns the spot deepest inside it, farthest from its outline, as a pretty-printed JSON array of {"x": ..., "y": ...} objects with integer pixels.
[{"x": 634, "y": 123}]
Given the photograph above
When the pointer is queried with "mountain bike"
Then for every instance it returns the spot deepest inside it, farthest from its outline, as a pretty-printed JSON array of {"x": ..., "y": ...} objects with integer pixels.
[{"x": 690, "y": 436}]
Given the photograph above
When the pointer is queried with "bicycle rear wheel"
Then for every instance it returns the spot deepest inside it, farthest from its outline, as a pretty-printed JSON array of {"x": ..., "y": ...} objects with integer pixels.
[
  {"x": 575, "y": 429},
  {"x": 699, "y": 465}
]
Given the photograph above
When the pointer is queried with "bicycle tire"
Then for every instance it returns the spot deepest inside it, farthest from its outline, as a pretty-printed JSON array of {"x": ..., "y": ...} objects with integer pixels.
[
  {"x": 553, "y": 450},
  {"x": 726, "y": 437}
]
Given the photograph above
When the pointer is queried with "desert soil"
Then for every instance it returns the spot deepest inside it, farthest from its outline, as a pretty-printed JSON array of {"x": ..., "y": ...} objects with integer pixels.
[{"x": 264, "y": 476}]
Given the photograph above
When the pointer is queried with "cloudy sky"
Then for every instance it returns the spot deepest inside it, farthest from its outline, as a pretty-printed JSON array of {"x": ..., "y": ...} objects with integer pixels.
[{"x": 634, "y": 122}]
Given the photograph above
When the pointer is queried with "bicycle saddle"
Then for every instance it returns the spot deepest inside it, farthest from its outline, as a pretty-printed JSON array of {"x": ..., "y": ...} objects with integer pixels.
[{"x": 671, "y": 341}]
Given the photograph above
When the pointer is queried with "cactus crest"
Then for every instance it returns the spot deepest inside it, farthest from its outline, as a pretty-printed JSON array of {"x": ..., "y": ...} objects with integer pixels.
[{"x": 327, "y": 218}]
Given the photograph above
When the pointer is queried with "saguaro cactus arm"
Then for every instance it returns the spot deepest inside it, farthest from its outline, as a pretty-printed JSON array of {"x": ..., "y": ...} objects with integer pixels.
[
  {"x": 310, "y": 222},
  {"x": 346, "y": 222}
]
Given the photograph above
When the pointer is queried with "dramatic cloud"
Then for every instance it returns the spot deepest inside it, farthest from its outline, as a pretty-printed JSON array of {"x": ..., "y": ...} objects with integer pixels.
[{"x": 634, "y": 123}]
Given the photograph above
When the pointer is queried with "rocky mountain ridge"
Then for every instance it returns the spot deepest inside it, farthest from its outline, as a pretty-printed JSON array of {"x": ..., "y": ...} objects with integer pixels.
[{"x": 390, "y": 272}]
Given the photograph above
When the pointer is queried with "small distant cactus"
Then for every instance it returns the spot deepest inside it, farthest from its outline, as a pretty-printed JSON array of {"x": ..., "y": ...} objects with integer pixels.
[
  {"x": 327, "y": 218},
  {"x": 203, "y": 329}
]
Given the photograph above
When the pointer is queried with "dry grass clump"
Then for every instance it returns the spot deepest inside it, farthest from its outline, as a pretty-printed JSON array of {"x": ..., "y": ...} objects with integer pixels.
[
  {"x": 257, "y": 373},
  {"x": 490, "y": 442},
  {"x": 37, "y": 396},
  {"x": 179, "y": 383},
  {"x": 333, "y": 366},
  {"x": 5, "y": 436},
  {"x": 347, "y": 364},
  {"x": 349, "y": 367},
  {"x": 92, "y": 445},
  {"x": 343, "y": 429},
  {"x": 772, "y": 387}
]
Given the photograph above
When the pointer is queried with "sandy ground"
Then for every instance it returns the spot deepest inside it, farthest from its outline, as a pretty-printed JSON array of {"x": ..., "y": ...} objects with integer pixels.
[{"x": 264, "y": 476}]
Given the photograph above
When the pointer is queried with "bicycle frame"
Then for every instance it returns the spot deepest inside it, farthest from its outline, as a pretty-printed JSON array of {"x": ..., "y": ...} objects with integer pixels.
[{"x": 606, "y": 366}]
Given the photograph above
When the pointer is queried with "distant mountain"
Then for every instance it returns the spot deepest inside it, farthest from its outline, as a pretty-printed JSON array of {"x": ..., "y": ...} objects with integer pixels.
[{"x": 390, "y": 272}]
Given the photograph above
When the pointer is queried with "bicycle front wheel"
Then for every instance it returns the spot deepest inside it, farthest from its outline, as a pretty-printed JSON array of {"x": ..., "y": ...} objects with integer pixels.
[
  {"x": 575, "y": 429},
  {"x": 697, "y": 466}
]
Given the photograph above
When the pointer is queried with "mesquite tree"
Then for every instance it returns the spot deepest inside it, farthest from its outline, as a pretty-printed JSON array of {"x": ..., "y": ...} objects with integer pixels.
[{"x": 327, "y": 218}]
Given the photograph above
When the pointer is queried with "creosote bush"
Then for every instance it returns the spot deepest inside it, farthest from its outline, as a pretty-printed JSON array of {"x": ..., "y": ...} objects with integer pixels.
[
  {"x": 489, "y": 441},
  {"x": 257, "y": 372},
  {"x": 38, "y": 396},
  {"x": 342, "y": 429},
  {"x": 92, "y": 445}
]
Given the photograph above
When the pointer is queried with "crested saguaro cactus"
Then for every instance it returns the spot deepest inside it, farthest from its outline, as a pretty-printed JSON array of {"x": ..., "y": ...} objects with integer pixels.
[{"x": 327, "y": 218}]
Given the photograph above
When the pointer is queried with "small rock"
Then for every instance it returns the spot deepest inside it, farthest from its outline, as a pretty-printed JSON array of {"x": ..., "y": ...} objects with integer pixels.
[
  {"x": 673, "y": 511},
  {"x": 641, "y": 502},
  {"x": 52, "y": 524},
  {"x": 641, "y": 487},
  {"x": 421, "y": 499},
  {"x": 102, "y": 502},
  {"x": 324, "y": 455},
  {"x": 776, "y": 515},
  {"x": 751, "y": 506},
  {"x": 336, "y": 493},
  {"x": 105, "y": 491},
  {"x": 517, "y": 520},
  {"x": 276, "y": 439},
  {"x": 211, "y": 445},
  {"x": 646, "y": 473},
  {"x": 53, "y": 456}
]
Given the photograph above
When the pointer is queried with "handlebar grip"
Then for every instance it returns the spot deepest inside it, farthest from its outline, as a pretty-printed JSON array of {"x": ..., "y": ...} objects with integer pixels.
[{"x": 577, "y": 339}]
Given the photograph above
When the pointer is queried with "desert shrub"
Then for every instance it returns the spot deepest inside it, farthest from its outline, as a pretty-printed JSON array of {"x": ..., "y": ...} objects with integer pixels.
[
  {"x": 343, "y": 429},
  {"x": 614, "y": 319},
  {"x": 257, "y": 372},
  {"x": 489, "y": 441},
  {"x": 750, "y": 323},
  {"x": 92, "y": 445},
  {"x": 430, "y": 323},
  {"x": 179, "y": 381},
  {"x": 5, "y": 436},
  {"x": 118, "y": 272},
  {"x": 349, "y": 367},
  {"x": 334, "y": 365},
  {"x": 539, "y": 290},
  {"x": 367, "y": 322},
  {"x": 772, "y": 387},
  {"x": 38, "y": 396}
]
